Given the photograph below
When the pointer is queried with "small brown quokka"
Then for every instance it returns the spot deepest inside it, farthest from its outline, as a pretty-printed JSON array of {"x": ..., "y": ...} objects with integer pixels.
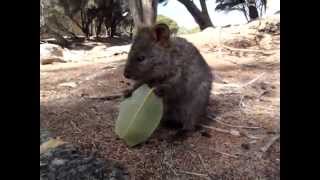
[{"x": 177, "y": 71}]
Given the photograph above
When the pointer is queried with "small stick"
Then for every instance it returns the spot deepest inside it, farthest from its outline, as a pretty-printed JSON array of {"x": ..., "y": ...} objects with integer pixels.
[
  {"x": 230, "y": 125},
  {"x": 107, "y": 98},
  {"x": 75, "y": 126},
  {"x": 249, "y": 135},
  {"x": 226, "y": 154},
  {"x": 203, "y": 164},
  {"x": 171, "y": 168},
  {"x": 217, "y": 129},
  {"x": 218, "y": 79},
  {"x": 231, "y": 132},
  {"x": 269, "y": 143},
  {"x": 241, "y": 103},
  {"x": 195, "y": 174},
  {"x": 234, "y": 126},
  {"x": 253, "y": 80}
]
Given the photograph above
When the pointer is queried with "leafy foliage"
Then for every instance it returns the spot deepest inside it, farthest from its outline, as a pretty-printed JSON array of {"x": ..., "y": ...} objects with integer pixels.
[
  {"x": 251, "y": 9},
  {"x": 75, "y": 17},
  {"x": 200, "y": 15},
  {"x": 173, "y": 26},
  {"x": 183, "y": 30}
]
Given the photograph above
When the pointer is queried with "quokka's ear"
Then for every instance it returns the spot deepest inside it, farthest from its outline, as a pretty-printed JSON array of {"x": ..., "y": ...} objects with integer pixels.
[{"x": 161, "y": 33}]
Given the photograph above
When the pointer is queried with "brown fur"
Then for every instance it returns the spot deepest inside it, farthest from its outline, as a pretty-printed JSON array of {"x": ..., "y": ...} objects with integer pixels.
[{"x": 176, "y": 69}]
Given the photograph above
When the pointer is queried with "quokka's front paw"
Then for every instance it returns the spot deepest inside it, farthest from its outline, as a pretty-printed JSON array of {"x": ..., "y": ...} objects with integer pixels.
[{"x": 159, "y": 91}]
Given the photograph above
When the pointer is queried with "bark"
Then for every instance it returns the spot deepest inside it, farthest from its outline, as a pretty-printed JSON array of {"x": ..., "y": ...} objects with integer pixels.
[
  {"x": 144, "y": 12},
  {"x": 201, "y": 17},
  {"x": 253, "y": 11}
]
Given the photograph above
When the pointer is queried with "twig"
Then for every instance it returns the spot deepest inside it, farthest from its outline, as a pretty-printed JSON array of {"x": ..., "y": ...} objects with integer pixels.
[
  {"x": 169, "y": 164},
  {"x": 241, "y": 103},
  {"x": 269, "y": 143},
  {"x": 234, "y": 126},
  {"x": 195, "y": 174},
  {"x": 218, "y": 129},
  {"x": 218, "y": 79},
  {"x": 171, "y": 168},
  {"x": 226, "y": 154},
  {"x": 230, "y": 125},
  {"x": 231, "y": 132},
  {"x": 107, "y": 98},
  {"x": 250, "y": 136},
  {"x": 203, "y": 164},
  {"x": 75, "y": 126},
  {"x": 253, "y": 80}
]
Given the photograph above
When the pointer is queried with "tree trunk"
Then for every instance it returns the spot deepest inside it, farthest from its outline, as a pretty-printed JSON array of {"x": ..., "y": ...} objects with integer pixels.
[
  {"x": 98, "y": 28},
  {"x": 205, "y": 12},
  {"x": 201, "y": 17},
  {"x": 144, "y": 12},
  {"x": 59, "y": 38},
  {"x": 253, "y": 11},
  {"x": 131, "y": 31},
  {"x": 85, "y": 25}
]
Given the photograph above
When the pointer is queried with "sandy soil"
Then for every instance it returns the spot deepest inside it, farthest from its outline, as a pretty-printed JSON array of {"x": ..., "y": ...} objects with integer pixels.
[{"x": 249, "y": 98}]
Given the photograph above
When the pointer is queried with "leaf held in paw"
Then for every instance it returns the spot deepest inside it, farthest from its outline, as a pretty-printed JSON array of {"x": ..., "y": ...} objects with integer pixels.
[{"x": 139, "y": 116}]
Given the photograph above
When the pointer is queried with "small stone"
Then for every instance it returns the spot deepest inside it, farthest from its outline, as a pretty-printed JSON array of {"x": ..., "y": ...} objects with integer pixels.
[
  {"x": 58, "y": 162},
  {"x": 234, "y": 132}
]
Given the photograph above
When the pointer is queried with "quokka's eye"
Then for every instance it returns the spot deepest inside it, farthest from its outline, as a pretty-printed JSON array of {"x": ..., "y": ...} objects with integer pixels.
[{"x": 141, "y": 58}]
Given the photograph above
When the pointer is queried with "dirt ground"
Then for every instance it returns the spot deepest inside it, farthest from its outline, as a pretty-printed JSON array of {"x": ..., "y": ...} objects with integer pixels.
[{"x": 246, "y": 108}]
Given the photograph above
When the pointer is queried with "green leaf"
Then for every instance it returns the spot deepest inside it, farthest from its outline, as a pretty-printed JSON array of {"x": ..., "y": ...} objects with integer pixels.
[{"x": 139, "y": 116}]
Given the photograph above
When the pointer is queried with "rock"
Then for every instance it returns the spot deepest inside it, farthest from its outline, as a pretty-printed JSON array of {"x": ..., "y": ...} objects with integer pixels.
[
  {"x": 50, "y": 60},
  {"x": 50, "y": 144},
  {"x": 103, "y": 51},
  {"x": 67, "y": 162},
  {"x": 50, "y": 50},
  {"x": 50, "y": 53},
  {"x": 44, "y": 135}
]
